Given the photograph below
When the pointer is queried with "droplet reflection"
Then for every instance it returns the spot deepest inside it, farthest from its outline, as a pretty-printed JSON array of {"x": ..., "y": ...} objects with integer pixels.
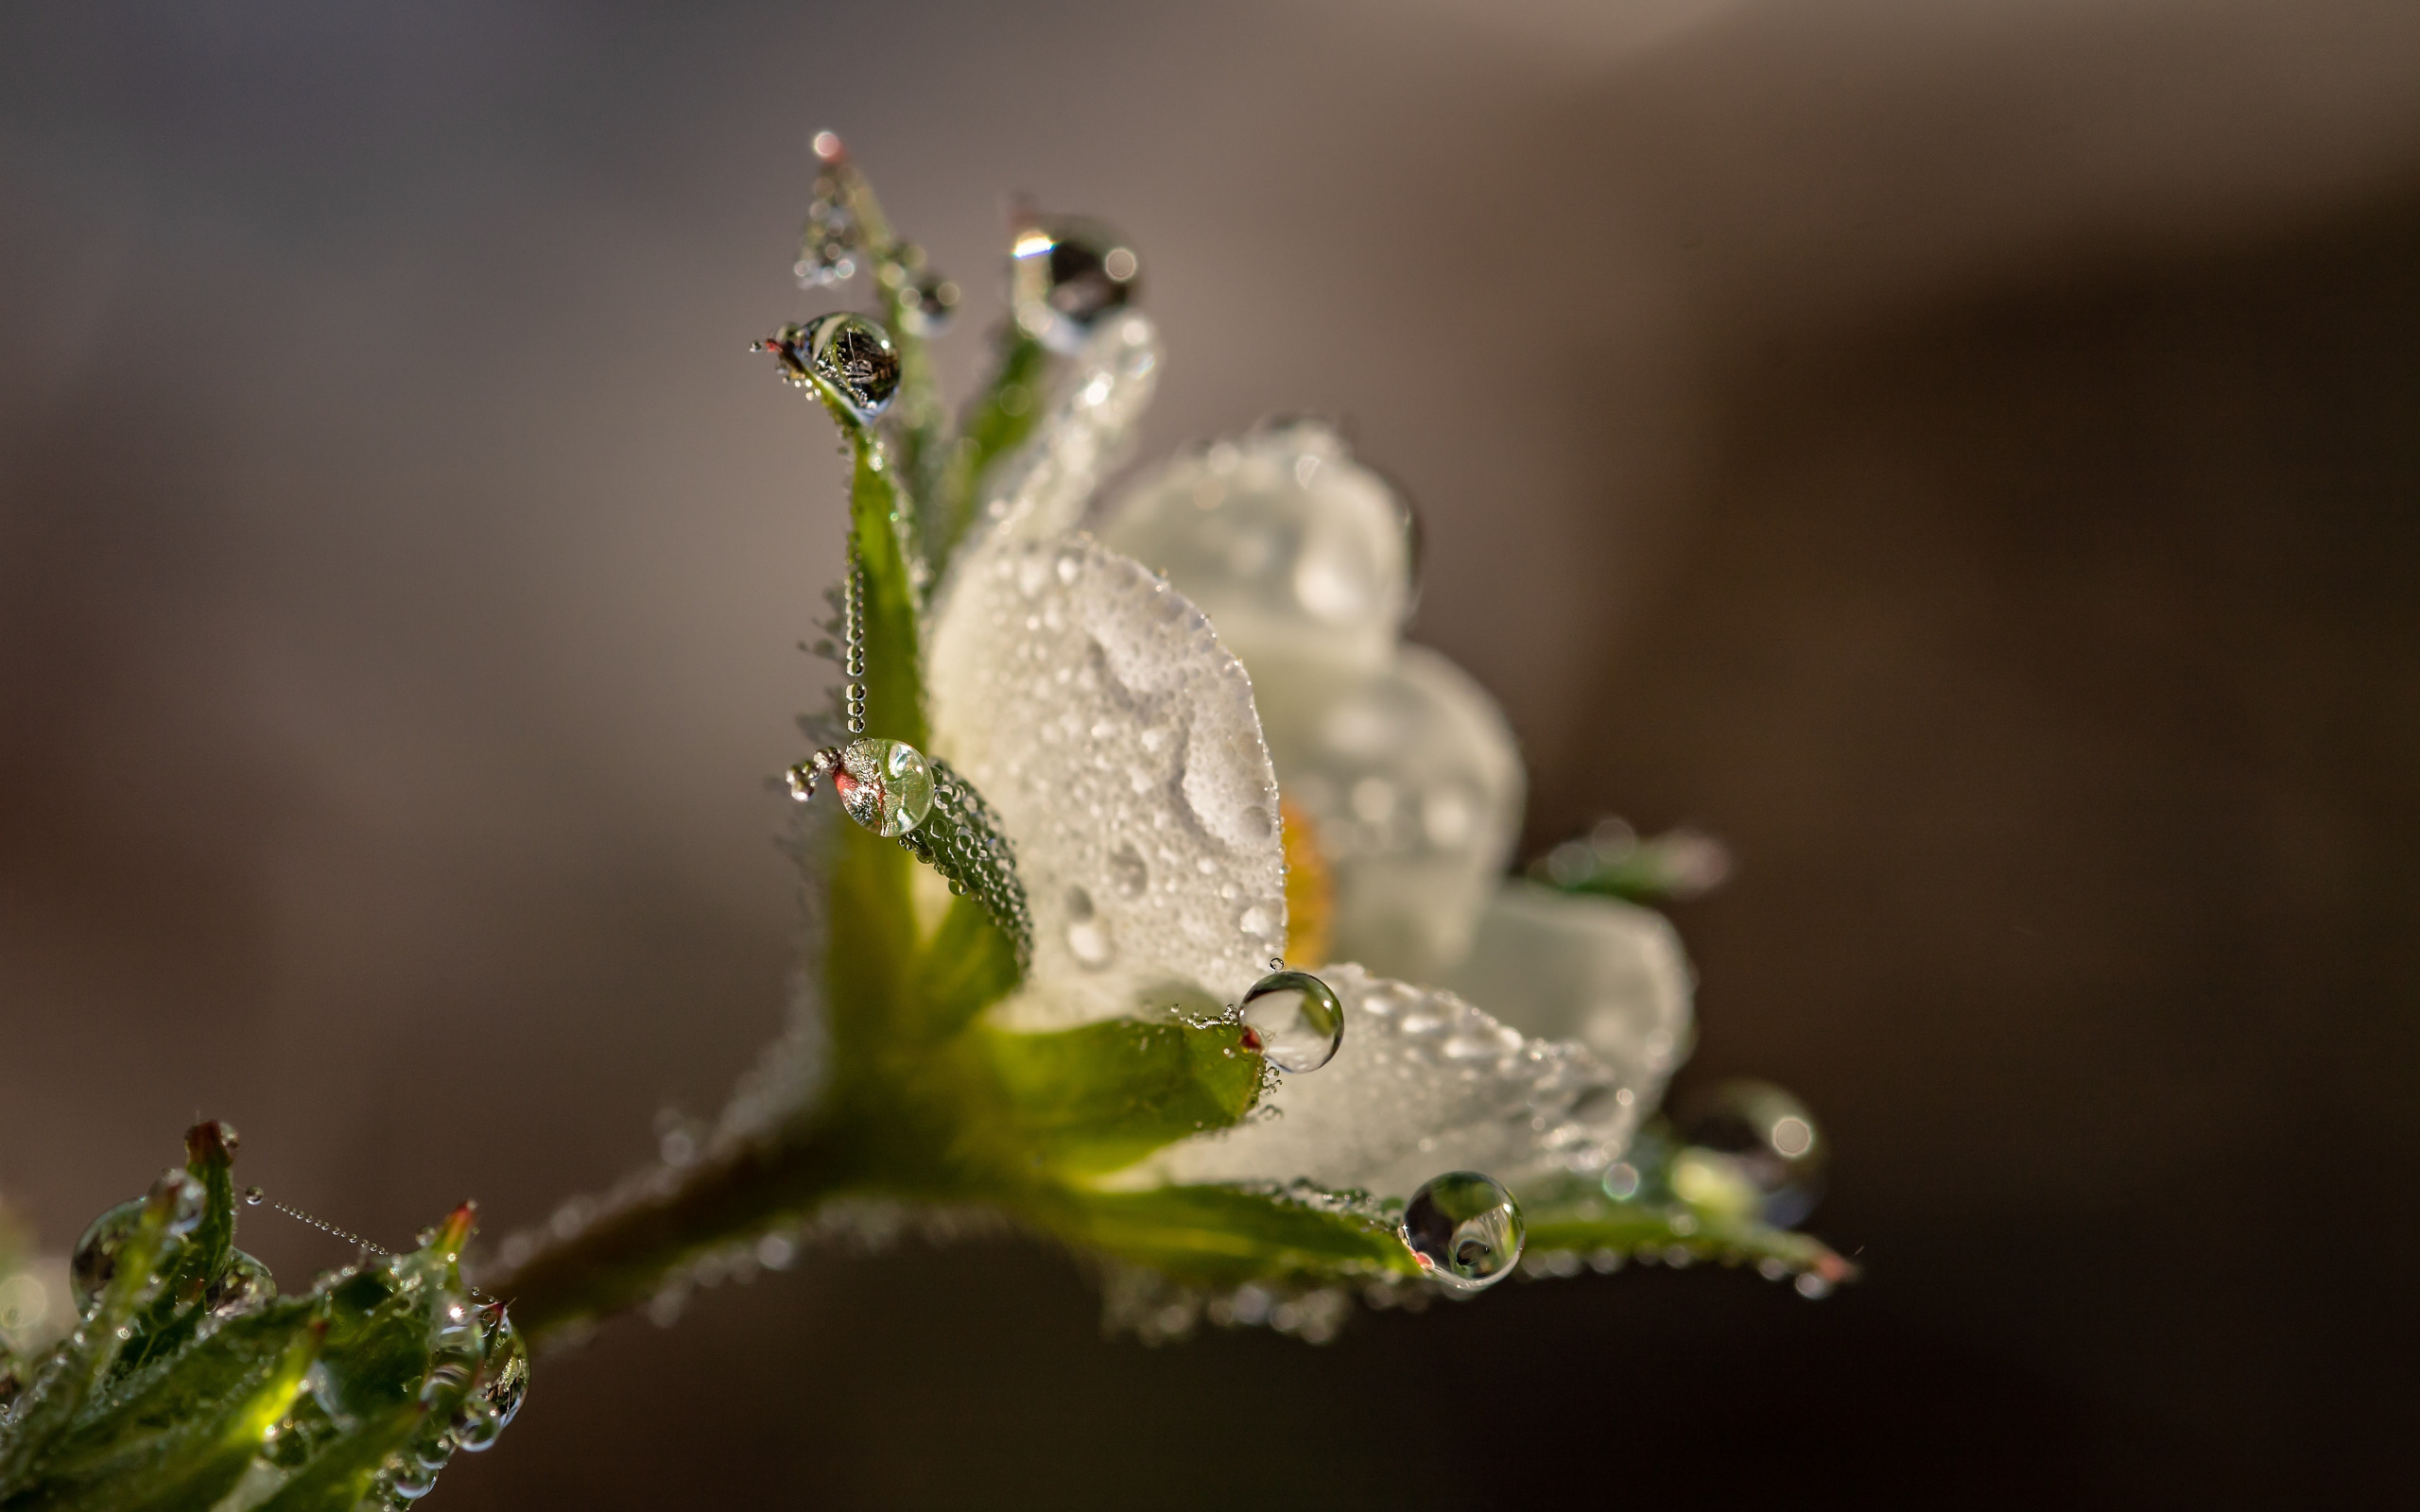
[
  {"x": 1464, "y": 1229},
  {"x": 1298, "y": 1018}
]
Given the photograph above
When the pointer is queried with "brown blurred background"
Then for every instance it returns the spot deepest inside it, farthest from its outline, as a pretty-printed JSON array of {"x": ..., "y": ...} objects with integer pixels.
[{"x": 1965, "y": 454}]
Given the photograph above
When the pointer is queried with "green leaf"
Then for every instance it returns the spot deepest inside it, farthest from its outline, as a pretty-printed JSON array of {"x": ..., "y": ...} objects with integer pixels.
[
  {"x": 1214, "y": 1236},
  {"x": 1100, "y": 1097}
]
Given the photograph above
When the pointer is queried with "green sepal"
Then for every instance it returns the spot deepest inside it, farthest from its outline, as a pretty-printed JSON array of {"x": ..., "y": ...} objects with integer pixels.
[
  {"x": 186, "y": 1435},
  {"x": 1097, "y": 1098},
  {"x": 1576, "y": 1217},
  {"x": 970, "y": 965},
  {"x": 209, "y": 1159},
  {"x": 1001, "y": 420},
  {"x": 870, "y": 970},
  {"x": 1218, "y": 1236},
  {"x": 917, "y": 415},
  {"x": 880, "y": 515},
  {"x": 338, "y": 1477}
]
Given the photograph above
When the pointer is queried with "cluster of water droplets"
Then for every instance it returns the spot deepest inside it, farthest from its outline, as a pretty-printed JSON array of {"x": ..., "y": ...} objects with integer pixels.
[
  {"x": 963, "y": 841},
  {"x": 855, "y": 1229},
  {"x": 1157, "y": 1311},
  {"x": 827, "y": 252}
]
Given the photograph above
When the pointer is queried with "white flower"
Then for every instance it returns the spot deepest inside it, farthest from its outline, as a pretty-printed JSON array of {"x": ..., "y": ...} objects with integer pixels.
[{"x": 1103, "y": 711}]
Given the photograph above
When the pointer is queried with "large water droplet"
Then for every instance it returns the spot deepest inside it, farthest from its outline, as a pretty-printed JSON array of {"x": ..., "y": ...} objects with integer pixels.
[
  {"x": 884, "y": 785},
  {"x": 1466, "y": 1229},
  {"x": 187, "y": 1198},
  {"x": 253, "y": 1197},
  {"x": 1298, "y": 1018},
  {"x": 1064, "y": 274},
  {"x": 246, "y": 1287},
  {"x": 847, "y": 352},
  {"x": 1761, "y": 1138},
  {"x": 855, "y": 356},
  {"x": 95, "y": 1259},
  {"x": 503, "y": 1381}
]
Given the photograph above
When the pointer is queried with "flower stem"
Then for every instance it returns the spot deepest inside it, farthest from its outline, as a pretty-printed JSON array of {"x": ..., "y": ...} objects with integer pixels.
[{"x": 623, "y": 1257}]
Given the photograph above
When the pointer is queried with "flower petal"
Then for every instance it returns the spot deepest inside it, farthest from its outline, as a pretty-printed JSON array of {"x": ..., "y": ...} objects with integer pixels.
[
  {"x": 1611, "y": 975},
  {"x": 1095, "y": 709},
  {"x": 1424, "y": 1083},
  {"x": 1296, "y": 552},
  {"x": 1414, "y": 787}
]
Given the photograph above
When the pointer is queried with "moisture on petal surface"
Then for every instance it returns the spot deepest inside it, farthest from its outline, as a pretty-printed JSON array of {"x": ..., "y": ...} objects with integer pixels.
[
  {"x": 1414, "y": 787},
  {"x": 1424, "y": 1083},
  {"x": 1609, "y": 974},
  {"x": 1296, "y": 552},
  {"x": 1098, "y": 400},
  {"x": 1114, "y": 737}
]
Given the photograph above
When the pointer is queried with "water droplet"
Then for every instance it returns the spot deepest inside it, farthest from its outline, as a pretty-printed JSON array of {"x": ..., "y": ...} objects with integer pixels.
[
  {"x": 1261, "y": 921},
  {"x": 187, "y": 1198},
  {"x": 1298, "y": 1018},
  {"x": 411, "y": 1480},
  {"x": 855, "y": 356},
  {"x": 885, "y": 785},
  {"x": 504, "y": 1379},
  {"x": 1761, "y": 1139},
  {"x": 247, "y": 1286},
  {"x": 1088, "y": 936},
  {"x": 1128, "y": 874},
  {"x": 928, "y": 312},
  {"x": 1464, "y": 1229},
  {"x": 253, "y": 1197},
  {"x": 1064, "y": 274},
  {"x": 95, "y": 1259},
  {"x": 431, "y": 1453}
]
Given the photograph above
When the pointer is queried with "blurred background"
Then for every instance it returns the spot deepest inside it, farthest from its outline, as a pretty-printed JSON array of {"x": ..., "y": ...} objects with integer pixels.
[{"x": 1966, "y": 456}]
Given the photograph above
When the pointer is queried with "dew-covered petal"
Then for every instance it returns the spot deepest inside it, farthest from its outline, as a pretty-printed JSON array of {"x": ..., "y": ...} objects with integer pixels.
[
  {"x": 1045, "y": 487},
  {"x": 1425, "y": 1083},
  {"x": 1609, "y": 974},
  {"x": 1413, "y": 789},
  {"x": 1115, "y": 739},
  {"x": 1297, "y": 552}
]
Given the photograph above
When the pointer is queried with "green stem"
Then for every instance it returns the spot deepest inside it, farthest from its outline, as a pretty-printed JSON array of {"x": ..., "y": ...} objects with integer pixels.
[
  {"x": 1000, "y": 420},
  {"x": 623, "y": 1257}
]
